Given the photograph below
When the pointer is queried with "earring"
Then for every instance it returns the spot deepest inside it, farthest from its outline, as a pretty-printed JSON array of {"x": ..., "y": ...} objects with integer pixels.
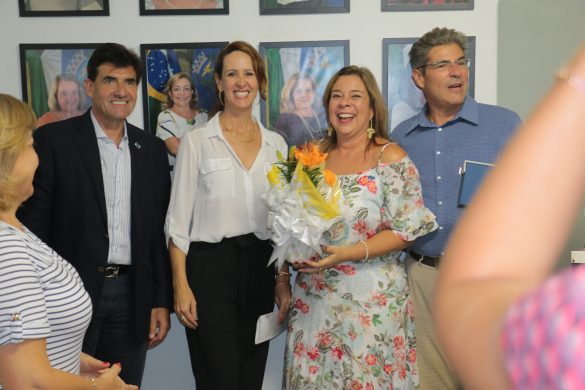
[
  {"x": 370, "y": 130},
  {"x": 330, "y": 131},
  {"x": 220, "y": 99}
]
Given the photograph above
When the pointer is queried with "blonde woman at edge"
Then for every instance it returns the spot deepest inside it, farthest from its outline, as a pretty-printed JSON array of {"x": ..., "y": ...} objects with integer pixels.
[
  {"x": 503, "y": 321},
  {"x": 217, "y": 231},
  {"x": 44, "y": 308}
]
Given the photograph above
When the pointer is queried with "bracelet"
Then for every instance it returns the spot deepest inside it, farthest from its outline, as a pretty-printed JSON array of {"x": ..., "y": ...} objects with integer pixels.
[
  {"x": 287, "y": 283},
  {"x": 574, "y": 80},
  {"x": 93, "y": 384},
  {"x": 283, "y": 273},
  {"x": 367, "y": 251}
]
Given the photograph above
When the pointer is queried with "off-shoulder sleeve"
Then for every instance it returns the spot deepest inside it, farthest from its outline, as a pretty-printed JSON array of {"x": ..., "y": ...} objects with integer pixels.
[
  {"x": 404, "y": 210},
  {"x": 183, "y": 194},
  {"x": 23, "y": 311}
]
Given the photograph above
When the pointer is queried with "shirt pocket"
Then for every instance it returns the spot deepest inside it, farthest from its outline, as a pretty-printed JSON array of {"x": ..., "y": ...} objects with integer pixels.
[{"x": 218, "y": 178}]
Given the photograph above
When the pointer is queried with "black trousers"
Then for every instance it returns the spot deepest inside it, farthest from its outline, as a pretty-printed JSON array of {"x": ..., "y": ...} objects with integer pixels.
[
  {"x": 233, "y": 287},
  {"x": 111, "y": 336}
]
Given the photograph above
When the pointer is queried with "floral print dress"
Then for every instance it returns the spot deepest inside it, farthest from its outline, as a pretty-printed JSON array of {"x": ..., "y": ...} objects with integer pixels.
[{"x": 352, "y": 327}]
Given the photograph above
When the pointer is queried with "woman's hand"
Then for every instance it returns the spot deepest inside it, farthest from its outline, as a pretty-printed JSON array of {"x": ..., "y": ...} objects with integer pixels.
[
  {"x": 91, "y": 366},
  {"x": 186, "y": 306},
  {"x": 110, "y": 379},
  {"x": 337, "y": 255}
]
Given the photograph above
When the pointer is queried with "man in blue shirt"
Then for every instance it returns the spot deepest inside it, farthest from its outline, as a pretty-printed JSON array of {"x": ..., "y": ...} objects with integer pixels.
[{"x": 451, "y": 128}]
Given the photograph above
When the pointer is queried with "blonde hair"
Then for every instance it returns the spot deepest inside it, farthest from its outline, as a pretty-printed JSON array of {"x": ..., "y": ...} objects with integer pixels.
[
  {"x": 174, "y": 78},
  {"x": 17, "y": 121}
]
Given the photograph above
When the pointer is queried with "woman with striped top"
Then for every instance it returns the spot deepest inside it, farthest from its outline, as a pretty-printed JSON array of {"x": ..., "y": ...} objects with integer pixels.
[{"x": 44, "y": 308}]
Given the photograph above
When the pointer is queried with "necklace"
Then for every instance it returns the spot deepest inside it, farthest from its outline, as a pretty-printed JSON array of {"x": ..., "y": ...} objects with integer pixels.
[
  {"x": 308, "y": 127},
  {"x": 234, "y": 134}
]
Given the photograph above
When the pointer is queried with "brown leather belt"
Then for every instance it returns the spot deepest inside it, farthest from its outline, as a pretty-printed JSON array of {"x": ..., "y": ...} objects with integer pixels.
[
  {"x": 431, "y": 261},
  {"x": 112, "y": 271}
]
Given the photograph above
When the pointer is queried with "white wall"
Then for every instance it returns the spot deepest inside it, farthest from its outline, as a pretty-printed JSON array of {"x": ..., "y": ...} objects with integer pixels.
[{"x": 364, "y": 26}]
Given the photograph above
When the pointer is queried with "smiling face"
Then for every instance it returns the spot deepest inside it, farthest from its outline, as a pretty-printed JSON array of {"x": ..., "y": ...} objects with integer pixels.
[
  {"x": 303, "y": 95},
  {"x": 181, "y": 93},
  {"x": 349, "y": 107},
  {"x": 68, "y": 96},
  {"x": 238, "y": 81},
  {"x": 444, "y": 89},
  {"x": 113, "y": 93}
]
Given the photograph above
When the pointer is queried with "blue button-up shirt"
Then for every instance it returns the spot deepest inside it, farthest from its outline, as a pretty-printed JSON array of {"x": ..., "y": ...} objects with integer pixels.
[{"x": 478, "y": 132}]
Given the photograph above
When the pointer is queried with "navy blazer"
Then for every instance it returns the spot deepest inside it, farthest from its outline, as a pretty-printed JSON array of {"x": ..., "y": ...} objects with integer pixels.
[{"x": 68, "y": 209}]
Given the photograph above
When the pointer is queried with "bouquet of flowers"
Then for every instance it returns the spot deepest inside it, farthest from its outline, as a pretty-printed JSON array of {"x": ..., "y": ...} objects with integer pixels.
[{"x": 304, "y": 202}]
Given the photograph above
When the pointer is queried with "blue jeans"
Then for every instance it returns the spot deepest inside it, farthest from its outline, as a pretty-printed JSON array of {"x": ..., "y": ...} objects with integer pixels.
[{"x": 111, "y": 336}]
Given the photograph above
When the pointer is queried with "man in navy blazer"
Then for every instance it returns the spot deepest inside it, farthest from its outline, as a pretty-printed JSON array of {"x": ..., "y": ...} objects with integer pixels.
[{"x": 100, "y": 197}]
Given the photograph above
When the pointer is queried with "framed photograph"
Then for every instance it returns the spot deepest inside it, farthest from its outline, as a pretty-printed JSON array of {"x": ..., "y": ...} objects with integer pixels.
[
  {"x": 184, "y": 7},
  {"x": 64, "y": 7},
  {"x": 403, "y": 98},
  {"x": 298, "y": 73},
  {"x": 52, "y": 79},
  {"x": 283, "y": 7},
  {"x": 426, "y": 5},
  {"x": 162, "y": 60}
]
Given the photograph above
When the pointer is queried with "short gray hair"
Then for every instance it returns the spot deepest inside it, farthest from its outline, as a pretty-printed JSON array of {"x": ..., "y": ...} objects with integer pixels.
[{"x": 419, "y": 53}]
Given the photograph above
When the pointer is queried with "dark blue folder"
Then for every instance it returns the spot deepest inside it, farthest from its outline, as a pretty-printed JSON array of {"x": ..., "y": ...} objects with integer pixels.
[{"x": 471, "y": 177}]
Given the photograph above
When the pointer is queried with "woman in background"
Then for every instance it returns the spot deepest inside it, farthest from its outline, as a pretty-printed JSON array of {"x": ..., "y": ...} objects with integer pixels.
[
  {"x": 298, "y": 122},
  {"x": 180, "y": 115},
  {"x": 503, "y": 322},
  {"x": 351, "y": 325},
  {"x": 65, "y": 100},
  {"x": 217, "y": 230},
  {"x": 44, "y": 309}
]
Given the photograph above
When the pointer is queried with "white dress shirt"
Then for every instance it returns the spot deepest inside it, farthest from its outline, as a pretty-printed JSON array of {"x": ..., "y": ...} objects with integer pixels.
[
  {"x": 117, "y": 175},
  {"x": 213, "y": 195}
]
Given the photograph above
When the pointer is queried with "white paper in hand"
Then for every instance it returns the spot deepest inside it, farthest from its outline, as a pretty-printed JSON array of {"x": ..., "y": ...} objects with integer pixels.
[{"x": 268, "y": 327}]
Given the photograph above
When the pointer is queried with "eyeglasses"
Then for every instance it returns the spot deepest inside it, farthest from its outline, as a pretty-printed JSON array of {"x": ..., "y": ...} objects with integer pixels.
[{"x": 444, "y": 65}]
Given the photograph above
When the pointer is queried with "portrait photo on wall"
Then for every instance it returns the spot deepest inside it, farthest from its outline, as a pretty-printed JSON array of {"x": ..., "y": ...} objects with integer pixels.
[
  {"x": 52, "y": 79},
  {"x": 403, "y": 98},
  {"x": 426, "y": 5},
  {"x": 64, "y": 7},
  {"x": 183, "y": 7},
  {"x": 298, "y": 73},
  {"x": 283, "y": 7},
  {"x": 164, "y": 60}
]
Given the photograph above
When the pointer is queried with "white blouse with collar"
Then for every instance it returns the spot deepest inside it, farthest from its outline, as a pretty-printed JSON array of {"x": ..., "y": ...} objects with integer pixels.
[{"x": 213, "y": 195}]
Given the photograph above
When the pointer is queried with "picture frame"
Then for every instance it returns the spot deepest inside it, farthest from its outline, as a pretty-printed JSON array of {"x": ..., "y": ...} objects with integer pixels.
[
  {"x": 429, "y": 5},
  {"x": 403, "y": 98},
  {"x": 294, "y": 7},
  {"x": 304, "y": 67},
  {"x": 46, "y": 68},
  {"x": 63, "y": 8},
  {"x": 162, "y": 60},
  {"x": 184, "y": 7}
]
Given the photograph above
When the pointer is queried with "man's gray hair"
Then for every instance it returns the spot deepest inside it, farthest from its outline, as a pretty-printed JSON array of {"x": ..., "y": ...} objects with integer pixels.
[{"x": 436, "y": 37}]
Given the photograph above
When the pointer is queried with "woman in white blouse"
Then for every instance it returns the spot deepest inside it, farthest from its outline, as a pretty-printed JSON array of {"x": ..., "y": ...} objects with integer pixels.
[
  {"x": 181, "y": 114},
  {"x": 44, "y": 308},
  {"x": 217, "y": 230}
]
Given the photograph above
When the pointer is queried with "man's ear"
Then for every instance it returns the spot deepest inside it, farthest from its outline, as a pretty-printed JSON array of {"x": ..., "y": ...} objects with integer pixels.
[
  {"x": 419, "y": 79},
  {"x": 88, "y": 84}
]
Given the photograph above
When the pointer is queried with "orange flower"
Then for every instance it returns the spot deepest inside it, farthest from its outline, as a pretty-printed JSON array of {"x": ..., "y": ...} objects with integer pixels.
[
  {"x": 329, "y": 177},
  {"x": 309, "y": 155}
]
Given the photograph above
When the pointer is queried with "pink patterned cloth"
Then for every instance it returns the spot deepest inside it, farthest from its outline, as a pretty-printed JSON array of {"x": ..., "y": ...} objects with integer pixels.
[{"x": 543, "y": 337}]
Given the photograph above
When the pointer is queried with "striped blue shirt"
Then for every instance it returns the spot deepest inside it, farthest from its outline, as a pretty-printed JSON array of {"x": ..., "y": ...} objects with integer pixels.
[
  {"x": 116, "y": 173},
  {"x": 478, "y": 132},
  {"x": 41, "y": 296}
]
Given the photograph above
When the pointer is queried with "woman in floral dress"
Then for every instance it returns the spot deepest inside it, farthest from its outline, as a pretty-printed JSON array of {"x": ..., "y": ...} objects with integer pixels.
[{"x": 351, "y": 322}]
